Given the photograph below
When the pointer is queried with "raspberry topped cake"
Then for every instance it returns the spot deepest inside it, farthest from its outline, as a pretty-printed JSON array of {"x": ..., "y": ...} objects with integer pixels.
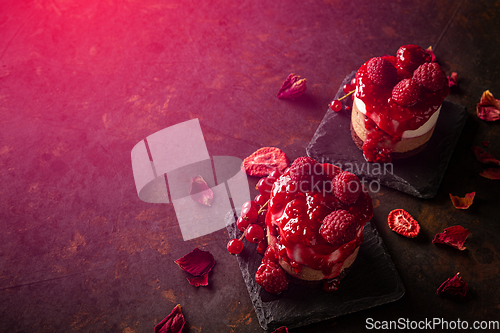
[
  {"x": 315, "y": 219},
  {"x": 397, "y": 103}
]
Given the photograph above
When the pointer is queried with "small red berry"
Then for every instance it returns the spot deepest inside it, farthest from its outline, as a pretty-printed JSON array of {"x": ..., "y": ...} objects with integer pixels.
[
  {"x": 336, "y": 105},
  {"x": 265, "y": 185},
  {"x": 261, "y": 199},
  {"x": 262, "y": 247},
  {"x": 235, "y": 246},
  {"x": 250, "y": 211},
  {"x": 254, "y": 233},
  {"x": 409, "y": 57},
  {"x": 347, "y": 88},
  {"x": 241, "y": 223}
]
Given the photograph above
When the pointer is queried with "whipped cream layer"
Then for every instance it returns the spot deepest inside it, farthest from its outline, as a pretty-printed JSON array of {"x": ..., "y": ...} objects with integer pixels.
[{"x": 408, "y": 134}]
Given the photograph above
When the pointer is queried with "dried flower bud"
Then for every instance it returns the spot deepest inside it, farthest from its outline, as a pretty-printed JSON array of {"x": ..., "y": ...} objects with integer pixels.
[
  {"x": 488, "y": 107},
  {"x": 293, "y": 87},
  {"x": 454, "y": 285},
  {"x": 200, "y": 191}
]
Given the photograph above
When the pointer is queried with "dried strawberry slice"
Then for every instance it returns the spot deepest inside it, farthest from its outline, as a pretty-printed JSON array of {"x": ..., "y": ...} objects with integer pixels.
[
  {"x": 265, "y": 160},
  {"x": 401, "y": 222}
]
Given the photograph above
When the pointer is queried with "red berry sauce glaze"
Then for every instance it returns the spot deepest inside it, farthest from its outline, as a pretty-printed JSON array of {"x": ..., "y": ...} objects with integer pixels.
[
  {"x": 387, "y": 120},
  {"x": 294, "y": 219}
]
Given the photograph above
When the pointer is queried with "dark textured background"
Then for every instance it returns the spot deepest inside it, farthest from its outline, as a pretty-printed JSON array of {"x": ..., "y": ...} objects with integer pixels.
[{"x": 81, "y": 82}]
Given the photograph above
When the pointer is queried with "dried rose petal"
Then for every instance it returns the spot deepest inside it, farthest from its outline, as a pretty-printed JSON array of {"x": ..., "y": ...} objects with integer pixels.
[
  {"x": 452, "y": 79},
  {"x": 198, "y": 281},
  {"x": 488, "y": 107},
  {"x": 431, "y": 53},
  {"x": 282, "y": 329},
  {"x": 491, "y": 173},
  {"x": 197, "y": 262},
  {"x": 173, "y": 323},
  {"x": 293, "y": 87},
  {"x": 483, "y": 156},
  {"x": 200, "y": 191},
  {"x": 454, "y": 236},
  {"x": 462, "y": 203},
  {"x": 454, "y": 285}
]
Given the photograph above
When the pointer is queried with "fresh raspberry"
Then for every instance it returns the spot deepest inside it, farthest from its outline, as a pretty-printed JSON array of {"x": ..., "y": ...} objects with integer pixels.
[
  {"x": 271, "y": 277},
  {"x": 347, "y": 187},
  {"x": 339, "y": 227},
  {"x": 409, "y": 57},
  {"x": 307, "y": 173},
  {"x": 406, "y": 93},
  {"x": 381, "y": 72},
  {"x": 430, "y": 76}
]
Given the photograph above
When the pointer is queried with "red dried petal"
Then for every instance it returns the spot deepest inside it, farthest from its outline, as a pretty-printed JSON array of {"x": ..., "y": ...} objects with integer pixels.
[
  {"x": 264, "y": 161},
  {"x": 293, "y": 87},
  {"x": 454, "y": 236},
  {"x": 491, "y": 173},
  {"x": 431, "y": 53},
  {"x": 200, "y": 191},
  {"x": 199, "y": 281},
  {"x": 197, "y": 262},
  {"x": 463, "y": 203},
  {"x": 483, "y": 156},
  {"x": 173, "y": 323},
  {"x": 452, "y": 79},
  {"x": 454, "y": 285},
  {"x": 488, "y": 107},
  {"x": 401, "y": 222},
  {"x": 485, "y": 143},
  {"x": 282, "y": 329}
]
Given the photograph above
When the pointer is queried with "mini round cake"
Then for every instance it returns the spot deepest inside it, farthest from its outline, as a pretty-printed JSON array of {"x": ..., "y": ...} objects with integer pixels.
[
  {"x": 315, "y": 219},
  {"x": 397, "y": 103}
]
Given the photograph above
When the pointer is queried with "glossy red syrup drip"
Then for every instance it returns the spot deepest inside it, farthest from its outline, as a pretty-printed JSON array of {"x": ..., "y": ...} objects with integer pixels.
[
  {"x": 389, "y": 120},
  {"x": 295, "y": 217}
]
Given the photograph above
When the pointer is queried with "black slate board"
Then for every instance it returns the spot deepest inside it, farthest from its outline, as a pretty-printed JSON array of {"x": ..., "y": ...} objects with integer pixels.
[
  {"x": 419, "y": 175},
  {"x": 371, "y": 281}
]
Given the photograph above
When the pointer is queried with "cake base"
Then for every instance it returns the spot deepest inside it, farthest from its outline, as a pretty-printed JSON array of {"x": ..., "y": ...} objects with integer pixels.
[
  {"x": 402, "y": 149},
  {"x": 394, "y": 155}
]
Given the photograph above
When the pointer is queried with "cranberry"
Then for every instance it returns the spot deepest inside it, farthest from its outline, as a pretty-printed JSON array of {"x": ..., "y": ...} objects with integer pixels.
[
  {"x": 347, "y": 88},
  {"x": 254, "y": 233},
  {"x": 261, "y": 199},
  {"x": 274, "y": 175},
  {"x": 250, "y": 211},
  {"x": 262, "y": 246},
  {"x": 241, "y": 223},
  {"x": 265, "y": 185},
  {"x": 235, "y": 246},
  {"x": 336, "y": 105}
]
